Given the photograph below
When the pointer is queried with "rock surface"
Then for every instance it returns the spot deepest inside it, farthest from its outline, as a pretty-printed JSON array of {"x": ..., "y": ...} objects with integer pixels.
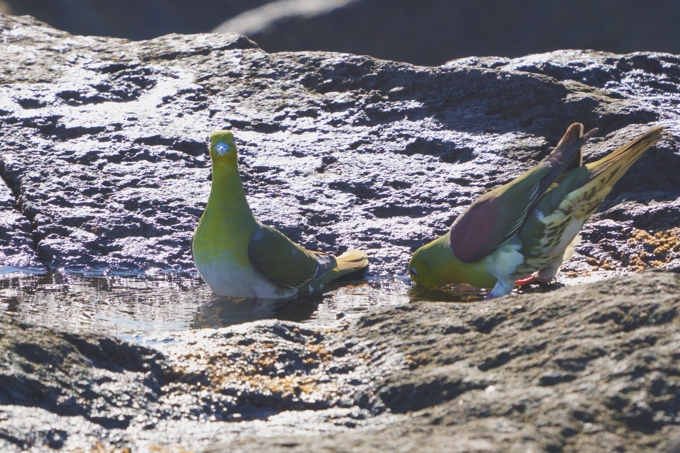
[
  {"x": 104, "y": 145},
  {"x": 593, "y": 368},
  {"x": 104, "y": 167},
  {"x": 17, "y": 249}
]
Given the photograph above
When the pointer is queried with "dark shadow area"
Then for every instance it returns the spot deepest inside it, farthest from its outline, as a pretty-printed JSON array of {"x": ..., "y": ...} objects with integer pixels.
[
  {"x": 466, "y": 293},
  {"x": 229, "y": 311},
  {"x": 426, "y": 32},
  {"x": 451, "y": 293},
  {"x": 431, "y": 32},
  {"x": 131, "y": 19}
]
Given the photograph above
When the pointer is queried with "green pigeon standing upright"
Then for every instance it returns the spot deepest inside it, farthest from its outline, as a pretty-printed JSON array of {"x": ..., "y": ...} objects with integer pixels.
[
  {"x": 238, "y": 256},
  {"x": 526, "y": 228}
]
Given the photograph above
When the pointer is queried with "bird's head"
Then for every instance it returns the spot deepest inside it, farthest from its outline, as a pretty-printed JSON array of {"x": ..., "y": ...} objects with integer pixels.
[
  {"x": 418, "y": 268},
  {"x": 222, "y": 147},
  {"x": 434, "y": 265}
]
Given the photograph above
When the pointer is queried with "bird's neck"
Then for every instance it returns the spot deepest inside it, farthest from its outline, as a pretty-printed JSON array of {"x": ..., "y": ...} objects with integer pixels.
[
  {"x": 449, "y": 268},
  {"x": 227, "y": 224},
  {"x": 227, "y": 197}
]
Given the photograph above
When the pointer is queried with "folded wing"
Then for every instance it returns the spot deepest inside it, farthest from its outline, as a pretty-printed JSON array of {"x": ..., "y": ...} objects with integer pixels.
[{"x": 284, "y": 261}]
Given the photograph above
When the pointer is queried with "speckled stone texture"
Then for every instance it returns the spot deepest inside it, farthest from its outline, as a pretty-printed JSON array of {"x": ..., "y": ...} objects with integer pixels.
[
  {"x": 104, "y": 145},
  {"x": 103, "y": 166},
  {"x": 592, "y": 368},
  {"x": 16, "y": 240}
]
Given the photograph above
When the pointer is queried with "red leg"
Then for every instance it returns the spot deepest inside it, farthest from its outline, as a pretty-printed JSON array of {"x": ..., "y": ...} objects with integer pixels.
[
  {"x": 527, "y": 280},
  {"x": 533, "y": 278}
]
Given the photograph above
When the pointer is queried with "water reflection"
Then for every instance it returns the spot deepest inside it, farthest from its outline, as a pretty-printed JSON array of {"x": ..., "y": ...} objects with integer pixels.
[
  {"x": 451, "y": 293},
  {"x": 227, "y": 311},
  {"x": 137, "y": 306},
  {"x": 343, "y": 298},
  {"x": 103, "y": 304},
  {"x": 133, "y": 306}
]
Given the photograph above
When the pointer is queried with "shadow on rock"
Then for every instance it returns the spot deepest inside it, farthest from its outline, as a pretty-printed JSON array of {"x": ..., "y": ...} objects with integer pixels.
[
  {"x": 451, "y": 293},
  {"x": 229, "y": 311}
]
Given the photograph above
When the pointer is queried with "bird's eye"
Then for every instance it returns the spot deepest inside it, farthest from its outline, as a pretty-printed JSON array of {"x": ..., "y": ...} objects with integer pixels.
[
  {"x": 413, "y": 272},
  {"x": 221, "y": 148}
]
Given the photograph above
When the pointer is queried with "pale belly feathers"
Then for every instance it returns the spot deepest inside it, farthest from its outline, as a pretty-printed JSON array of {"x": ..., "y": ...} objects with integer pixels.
[{"x": 227, "y": 278}]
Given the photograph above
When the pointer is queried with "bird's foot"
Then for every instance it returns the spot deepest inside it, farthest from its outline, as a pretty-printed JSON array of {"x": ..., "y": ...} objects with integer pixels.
[
  {"x": 525, "y": 281},
  {"x": 533, "y": 278}
]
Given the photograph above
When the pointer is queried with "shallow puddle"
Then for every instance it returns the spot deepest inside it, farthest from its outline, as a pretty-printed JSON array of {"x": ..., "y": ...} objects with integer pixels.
[
  {"x": 137, "y": 306},
  {"x": 133, "y": 307},
  {"x": 108, "y": 305}
]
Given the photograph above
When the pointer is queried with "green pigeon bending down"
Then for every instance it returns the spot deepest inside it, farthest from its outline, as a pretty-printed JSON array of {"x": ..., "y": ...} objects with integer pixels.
[
  {"x": 238, "y": 256},
  {"x": 526, "y": 228}
]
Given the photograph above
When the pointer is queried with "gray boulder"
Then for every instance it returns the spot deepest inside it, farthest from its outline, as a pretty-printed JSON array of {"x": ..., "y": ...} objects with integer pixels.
[
  {"x": 104, "y": 146},
  {"x": 590, "y": 368},
  {"x": 104, "y": 167},
  {"x": 16, "y": 241}
]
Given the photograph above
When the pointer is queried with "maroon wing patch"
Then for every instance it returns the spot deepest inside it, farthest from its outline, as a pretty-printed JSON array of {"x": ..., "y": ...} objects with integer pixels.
[{"x": 472, "y": 234}]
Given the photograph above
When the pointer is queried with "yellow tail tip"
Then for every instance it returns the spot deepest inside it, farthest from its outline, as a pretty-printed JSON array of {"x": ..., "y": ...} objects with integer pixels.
[{"x": 352, "y": 261}]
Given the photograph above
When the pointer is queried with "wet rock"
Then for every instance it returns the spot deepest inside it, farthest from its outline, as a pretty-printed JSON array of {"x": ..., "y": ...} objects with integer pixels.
[
  {"x": 104, "y": 145},
  {"x": 104, "y": 167},
  {"x": 77, "y": 391},
  {"x": 586, "y": 368},
  {"x": 592, "y": 368},
  {"x": 74, "y": 380}
]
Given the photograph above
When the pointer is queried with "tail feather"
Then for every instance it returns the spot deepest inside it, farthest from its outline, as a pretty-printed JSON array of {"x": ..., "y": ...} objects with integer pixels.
[
  {"x": 573, "y": 134},
  {"x": 351, "y": 261},
  {"x": 615, "y": 164}
]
